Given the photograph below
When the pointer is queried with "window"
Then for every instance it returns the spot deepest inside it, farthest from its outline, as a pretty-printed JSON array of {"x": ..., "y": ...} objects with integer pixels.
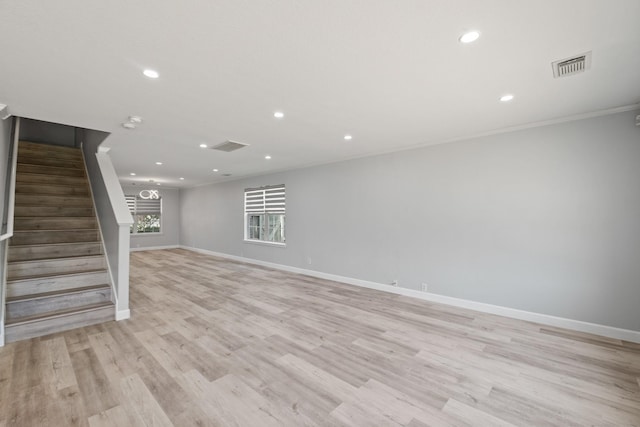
[
  {"x": 146, "y": 209},
  {"x": 264, "y": 214}
]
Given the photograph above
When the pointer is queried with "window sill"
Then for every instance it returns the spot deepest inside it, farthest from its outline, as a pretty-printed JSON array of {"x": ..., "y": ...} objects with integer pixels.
[
  {"x": 145, "y": 234},
  {"x": 265, "y": 243}
]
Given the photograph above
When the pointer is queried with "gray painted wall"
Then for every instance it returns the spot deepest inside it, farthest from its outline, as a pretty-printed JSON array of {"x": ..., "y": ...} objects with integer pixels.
[
  {"x": 47, "y": 132},
  {"x": 544, "y": 220},
  {"x": 170, "y": 219}
]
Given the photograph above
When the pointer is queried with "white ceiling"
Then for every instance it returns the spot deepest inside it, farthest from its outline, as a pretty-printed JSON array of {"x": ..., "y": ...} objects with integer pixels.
[{"x": 390, "y": 72}]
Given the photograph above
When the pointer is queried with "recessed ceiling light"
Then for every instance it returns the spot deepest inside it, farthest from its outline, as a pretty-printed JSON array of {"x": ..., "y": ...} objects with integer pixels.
[
  {"x": 132, "y": 174},
  {"x": 181, "y": 179},
  {"x": 267, "y": 157},
  {"x": 469, "y": 37},
  {"x": 152, "y": 74},
  {"x": 215, "y": 170},
  {"x": 158, "y": 183},
  {"x": 348, "y": 137},
  {"x": 128, "y": 125},
  {"x": 506, "y": 98},
  {"x": 135, "y": 119},
  {"x": 158, "y": 163},
  {"x": 203, "y": 145},
  {"x": 278, "y": 114}
]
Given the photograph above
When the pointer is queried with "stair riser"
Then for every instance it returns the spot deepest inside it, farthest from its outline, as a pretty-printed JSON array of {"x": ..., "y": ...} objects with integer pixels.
[
  {"x": 26, "y": 224},
  {"x": 18, "y": 309},
  {"x": 55, "y": 284},
  {"x": 51, "y": 161},
  {"x": 46, "y": 237},
  {"x": 37, "y": 147},
  {"x": 29, "y": 152},
  {"x": 32, "y": 178},
  {"x": 50, "y": 211},
  {"x": 38, "y": 200},
  {"x": 50, "y": 326},
  {"x": 35, "y": 158},
  {"x": 22, "y": 269},
  {"x": 53, "y": 190},
  {"x": 27, "y": 253},
  {"x": 49, "y": 170}
]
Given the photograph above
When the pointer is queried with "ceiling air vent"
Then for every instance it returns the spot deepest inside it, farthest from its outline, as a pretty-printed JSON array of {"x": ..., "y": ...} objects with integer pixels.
[
  {"x": 229, "y": 146},
  {"x": 570, "y": 66}
]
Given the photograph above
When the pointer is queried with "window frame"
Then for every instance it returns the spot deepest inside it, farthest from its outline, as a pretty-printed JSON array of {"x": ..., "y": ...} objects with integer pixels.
[
  {"x": 134, "y": 229},
  {"x": 264, "y": 207}
]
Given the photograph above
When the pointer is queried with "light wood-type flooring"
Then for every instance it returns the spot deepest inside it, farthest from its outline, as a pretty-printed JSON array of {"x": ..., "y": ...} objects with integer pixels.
[{"x": 220, "y": 343}]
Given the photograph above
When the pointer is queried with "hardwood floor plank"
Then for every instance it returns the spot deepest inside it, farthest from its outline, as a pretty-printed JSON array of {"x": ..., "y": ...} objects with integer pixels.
[
  {"x": 60, "y": 361},
  {"x": 472, "y": 415},
  {"x": 116, "y": 417},
  {"x": 378, "y": 404},
  {"x": 70, "y": 404},
  {"x": 233, "y": 403},
  {"x": 95, "y": 387},
  {"x": 137, "y": 397},
  {"x": 214, "y": 342}
]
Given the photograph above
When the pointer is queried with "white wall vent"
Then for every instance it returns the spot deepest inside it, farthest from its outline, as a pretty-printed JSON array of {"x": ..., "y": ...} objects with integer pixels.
[
  {"x": 229, "y": 146},
  {"x": 570, "y": 66}
]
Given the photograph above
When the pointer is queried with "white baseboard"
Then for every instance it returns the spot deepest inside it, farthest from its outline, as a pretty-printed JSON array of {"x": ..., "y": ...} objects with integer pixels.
[
  {"x": 153, "y": 248},
  {"x": 1, "y": 340},
  {"x": 123, "y": 314},
  {"x": 544, "y": 319}
]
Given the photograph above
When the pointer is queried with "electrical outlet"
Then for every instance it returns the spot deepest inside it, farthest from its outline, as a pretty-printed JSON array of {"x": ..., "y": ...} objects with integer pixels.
[
  {"x": 394, "y": 283},
  {"x": 309, "y": 260},
  {"x": 425, "y": 287}
]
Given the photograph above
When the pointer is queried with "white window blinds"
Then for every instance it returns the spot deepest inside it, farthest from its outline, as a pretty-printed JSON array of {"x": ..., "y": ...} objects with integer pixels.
[
  {"x": 265, "y": 200},
  {"x": 140, "y": 206}
]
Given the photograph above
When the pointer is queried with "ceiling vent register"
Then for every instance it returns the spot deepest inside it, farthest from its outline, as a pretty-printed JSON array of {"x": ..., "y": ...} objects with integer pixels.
[
  {"x": 229, "y": 146},
  {"x": 570, "y": 66}
]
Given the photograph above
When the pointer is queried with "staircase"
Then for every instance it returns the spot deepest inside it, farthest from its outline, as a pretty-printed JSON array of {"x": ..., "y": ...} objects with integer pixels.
[{"x": 56, "y": 273}]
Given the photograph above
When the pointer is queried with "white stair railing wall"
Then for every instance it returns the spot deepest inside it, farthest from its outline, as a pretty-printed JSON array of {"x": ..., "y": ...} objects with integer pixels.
[{"x": 8, "y": 157}]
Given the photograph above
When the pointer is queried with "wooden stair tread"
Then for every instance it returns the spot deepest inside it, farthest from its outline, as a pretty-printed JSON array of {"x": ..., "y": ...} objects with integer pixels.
[
  {"x": 57, "y": 293},
  {"x": 58, "y": 196},
  {"x": 54, "y": 251},
  {"x": 44, "y": 224},
  {"x": 34, "y": 178},
  {"x": 36, "y": 230},
  {"x": 52, "y": 189},
  {"x": 53, "y": 211},
  {"x": 81, "y": 182},
  {"x": 57, "y": 313},
  {"x": 43, "y": 145},
  {"x": 49, "y": 170},
  {"x": 57, "y": 245},
  {"x": 32, "y": 162},
  {"x": 56, "y": 231},
  {"x": 20, "y": 162},
  {"x": 60, "y": 276},
  {"x": 36, "y": 237},
  {"x": 66, "y": 273},
  {"x": 39, "y": 261}
]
